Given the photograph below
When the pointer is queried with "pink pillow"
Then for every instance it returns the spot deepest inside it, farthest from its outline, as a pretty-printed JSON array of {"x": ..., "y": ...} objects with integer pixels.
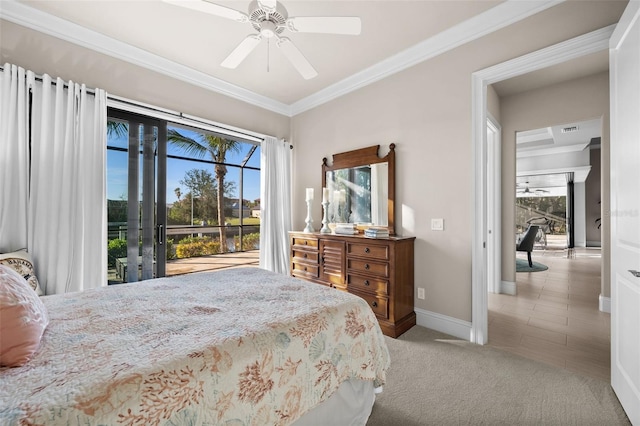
[{"x": 23, "y": 319}]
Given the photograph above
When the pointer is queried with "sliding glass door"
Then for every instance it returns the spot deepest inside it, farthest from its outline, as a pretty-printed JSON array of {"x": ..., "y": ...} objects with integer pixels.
[
  {"x": 178, "y": 192},
  {"x": 136, "y": 191}
]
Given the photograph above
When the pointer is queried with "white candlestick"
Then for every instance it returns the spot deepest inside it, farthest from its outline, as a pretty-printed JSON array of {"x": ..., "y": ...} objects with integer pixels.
[
  {"x": 309, "y": 194},
  {"x": 309, "y": 220},
  {"x": 325, "y": 195},
  {"x": 325, "y": 221}
]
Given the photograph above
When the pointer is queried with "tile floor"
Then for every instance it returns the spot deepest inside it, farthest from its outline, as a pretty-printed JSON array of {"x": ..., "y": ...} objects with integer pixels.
[{"x": 555, "y": 318}]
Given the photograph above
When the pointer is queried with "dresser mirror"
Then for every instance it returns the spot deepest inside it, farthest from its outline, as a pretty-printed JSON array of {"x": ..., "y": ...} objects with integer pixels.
[{"x": 361, "y": 187}]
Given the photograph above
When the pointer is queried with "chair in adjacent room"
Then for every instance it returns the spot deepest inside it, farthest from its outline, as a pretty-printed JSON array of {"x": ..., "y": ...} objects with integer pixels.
[{"x": 527, "y": 241}]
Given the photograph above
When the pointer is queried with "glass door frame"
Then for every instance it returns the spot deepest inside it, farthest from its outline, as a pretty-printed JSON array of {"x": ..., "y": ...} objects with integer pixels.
[{"x": 154, "y": 182}]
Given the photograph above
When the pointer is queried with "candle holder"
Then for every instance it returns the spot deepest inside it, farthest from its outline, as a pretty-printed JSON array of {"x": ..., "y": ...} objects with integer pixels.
[
  {"x": 309, "y": 220},
  {"x": 325, "y": 227}
]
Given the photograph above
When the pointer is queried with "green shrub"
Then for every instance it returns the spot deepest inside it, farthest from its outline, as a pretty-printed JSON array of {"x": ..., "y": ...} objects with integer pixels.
[
  {"x": 116, "y": 248},
  {"x": 196, "y": 246},
  {"x": 171, "y": 250},
  {"x": 249, "y": 241}
]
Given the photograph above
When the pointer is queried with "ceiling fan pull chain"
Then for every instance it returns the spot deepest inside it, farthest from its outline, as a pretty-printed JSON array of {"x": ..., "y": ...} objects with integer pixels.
[{"x": 268, "y": 50}]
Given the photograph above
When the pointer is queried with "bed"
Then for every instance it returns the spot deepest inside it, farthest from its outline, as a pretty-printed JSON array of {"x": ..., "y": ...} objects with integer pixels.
[{"x": 238, "y": 347}]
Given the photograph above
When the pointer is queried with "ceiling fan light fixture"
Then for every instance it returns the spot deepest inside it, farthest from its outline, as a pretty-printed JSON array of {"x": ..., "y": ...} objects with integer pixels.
[{"x": 268, "y": 29}]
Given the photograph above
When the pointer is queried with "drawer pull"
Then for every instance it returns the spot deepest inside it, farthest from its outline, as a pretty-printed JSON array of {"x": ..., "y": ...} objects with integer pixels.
[
  {"x": 305, "y": 255},
  {"x": 306, "y": 242},
  {"x": 366, "y": 266},
  {"x": 374, "y": 304},
  {"x": 305, "y": 268},
  {"x": 366, "y": 282},
  {"x": 366, "y": 250}
]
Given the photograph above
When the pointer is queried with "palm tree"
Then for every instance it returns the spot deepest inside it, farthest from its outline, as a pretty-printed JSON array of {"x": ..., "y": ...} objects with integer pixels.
[
  {"x": 217, "y": 148},
  {"x": 117, "y": 128}
]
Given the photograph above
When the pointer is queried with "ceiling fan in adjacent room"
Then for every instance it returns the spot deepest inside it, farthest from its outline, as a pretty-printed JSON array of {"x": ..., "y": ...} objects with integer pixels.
[
  {"x": 528, "y": 191},
  {"x": 270, "y": 18}
]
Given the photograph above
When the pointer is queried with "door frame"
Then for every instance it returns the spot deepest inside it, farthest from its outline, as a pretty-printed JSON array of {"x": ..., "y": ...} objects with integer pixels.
[
  {"x": 586, "y": 44},
  {"x": 154, "y": 182},
  {"x": 494, "y": 202}
]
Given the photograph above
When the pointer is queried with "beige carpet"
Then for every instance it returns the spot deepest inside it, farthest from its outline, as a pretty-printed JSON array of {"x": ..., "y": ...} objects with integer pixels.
[{"x": 436, "y": 379}]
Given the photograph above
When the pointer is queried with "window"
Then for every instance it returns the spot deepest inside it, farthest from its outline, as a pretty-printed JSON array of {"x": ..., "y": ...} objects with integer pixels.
[{"x": 201, "y": 190}]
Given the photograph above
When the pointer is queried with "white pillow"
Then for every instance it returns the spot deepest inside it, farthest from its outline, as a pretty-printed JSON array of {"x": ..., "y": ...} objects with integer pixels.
[
  {"x": 23, "y": 319},
  {"x": 20, "y": 261}
]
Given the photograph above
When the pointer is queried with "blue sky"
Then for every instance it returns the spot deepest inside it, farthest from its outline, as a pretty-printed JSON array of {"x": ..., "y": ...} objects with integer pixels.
[{"x": 117, "y": 169}]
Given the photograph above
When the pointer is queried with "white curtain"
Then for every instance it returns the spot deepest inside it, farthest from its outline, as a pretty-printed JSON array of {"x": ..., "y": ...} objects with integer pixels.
[
  {"x": 275, "y": 205},
  {"x": 14, "y": 156},
  {"x": 59, "y": 182}
]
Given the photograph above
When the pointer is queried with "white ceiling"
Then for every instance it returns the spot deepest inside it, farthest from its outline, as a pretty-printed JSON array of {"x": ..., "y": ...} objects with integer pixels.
[
  {"x": 552, "y": 141},
  {"x": 201, "y": 41},
  {"x": 559, "y": 139},
  {"x": 191, "y": 45}
]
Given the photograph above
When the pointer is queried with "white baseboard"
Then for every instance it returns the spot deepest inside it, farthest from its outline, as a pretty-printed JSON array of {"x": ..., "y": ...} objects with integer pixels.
[
  {"x": 604, "y": 304},
  {"x": 443, "y": 324},
  {"x": 508, "y": 287}
]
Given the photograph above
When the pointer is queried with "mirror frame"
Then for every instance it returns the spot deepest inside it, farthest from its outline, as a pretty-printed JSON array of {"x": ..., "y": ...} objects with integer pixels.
[{"x": 363, "y": 157}]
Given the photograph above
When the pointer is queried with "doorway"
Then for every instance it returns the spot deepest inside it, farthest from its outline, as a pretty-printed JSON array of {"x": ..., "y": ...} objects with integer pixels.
[
  {"x": 590, "y": 43},
  {"x": 553, "y": 317}
]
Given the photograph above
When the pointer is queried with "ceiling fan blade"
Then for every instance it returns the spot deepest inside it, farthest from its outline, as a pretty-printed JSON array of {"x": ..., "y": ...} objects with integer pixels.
[
  {"x": 296, "y": 58},
  {"x": 211, "y": 8},
  {"x": 350, "y": 25},
  {"x": 245, "y": 47}
]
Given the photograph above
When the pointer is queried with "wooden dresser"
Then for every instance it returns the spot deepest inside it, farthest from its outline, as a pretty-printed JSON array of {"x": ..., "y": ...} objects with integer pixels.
[{"x": 378, "y": 270}]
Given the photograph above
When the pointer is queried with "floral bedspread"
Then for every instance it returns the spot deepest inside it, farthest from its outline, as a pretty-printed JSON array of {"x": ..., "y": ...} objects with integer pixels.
[{"x": 242, "y": 347}]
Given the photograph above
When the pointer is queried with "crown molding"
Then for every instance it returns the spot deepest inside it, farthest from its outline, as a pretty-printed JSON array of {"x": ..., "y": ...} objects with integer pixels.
[
  {"x": 37, "y": 20},
  {"x": 585, "y": 44},
  {"x": 496, "y": 18}
]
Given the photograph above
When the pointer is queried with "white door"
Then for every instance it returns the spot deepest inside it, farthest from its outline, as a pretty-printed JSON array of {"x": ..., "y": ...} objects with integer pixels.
[{"x": 625, "y": 210}]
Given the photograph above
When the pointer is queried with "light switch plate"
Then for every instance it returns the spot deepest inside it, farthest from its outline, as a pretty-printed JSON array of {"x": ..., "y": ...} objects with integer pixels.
[{"x": 437, "y": 224}]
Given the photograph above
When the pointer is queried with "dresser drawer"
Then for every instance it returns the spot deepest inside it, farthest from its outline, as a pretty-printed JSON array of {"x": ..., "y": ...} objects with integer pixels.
[
  {"x": 372, "y": 251},
  {"x": 304, "y": 255},
  {"x": 311, "y": 243},
  {"x": 304, "y": 270},
  {"x": 358, "y": 283},
  {"x": 368, "y": 267},
  {"x": 379, "y": 305}
]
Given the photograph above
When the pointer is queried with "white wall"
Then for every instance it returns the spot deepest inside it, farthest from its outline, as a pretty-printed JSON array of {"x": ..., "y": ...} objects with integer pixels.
[
  {"x": 426, "y": 111},
  {"x": 42, "y": 54}
]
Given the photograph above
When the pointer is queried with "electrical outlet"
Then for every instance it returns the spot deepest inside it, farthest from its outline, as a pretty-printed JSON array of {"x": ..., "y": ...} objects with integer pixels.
[
  {"x": 420, "y": 293},
  {"x": 437, "y": 224}
]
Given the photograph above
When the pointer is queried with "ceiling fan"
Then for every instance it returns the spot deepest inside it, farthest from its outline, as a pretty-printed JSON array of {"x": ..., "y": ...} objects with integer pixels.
[
  {"x": 526, "y": 190},
  {"x": 270, "y": 18}
]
